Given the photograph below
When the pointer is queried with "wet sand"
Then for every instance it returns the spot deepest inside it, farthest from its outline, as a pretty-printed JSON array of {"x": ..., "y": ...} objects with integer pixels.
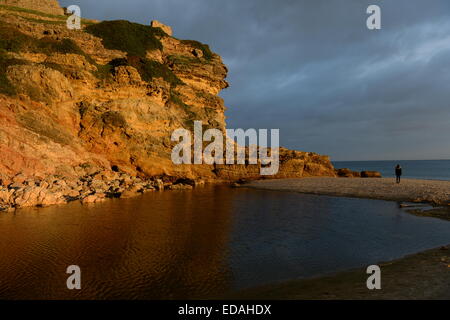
[
  {"x": 425, "y": 275},
  {"x": 432, "y": 191}
]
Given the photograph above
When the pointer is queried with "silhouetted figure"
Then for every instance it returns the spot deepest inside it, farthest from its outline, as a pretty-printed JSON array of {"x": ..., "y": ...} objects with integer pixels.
[{"x": 398, "y": 173}]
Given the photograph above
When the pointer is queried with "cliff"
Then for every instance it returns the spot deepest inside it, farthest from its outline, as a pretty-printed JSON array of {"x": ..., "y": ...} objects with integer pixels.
[
  {"x": 50, "y": 7},
  {"x": 86, "y": 114}
]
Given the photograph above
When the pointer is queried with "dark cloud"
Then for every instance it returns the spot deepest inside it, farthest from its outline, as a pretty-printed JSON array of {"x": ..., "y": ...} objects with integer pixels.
[{"x": 312, "y": 69}]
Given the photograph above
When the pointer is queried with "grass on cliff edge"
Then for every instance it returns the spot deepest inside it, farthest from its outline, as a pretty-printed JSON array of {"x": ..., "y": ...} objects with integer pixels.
[
  {"x": 13, "y": 40},
  {"x": 37, "y": 13},
  {"x": 136, "y": 39},
  {"x": 132, "y": 38}
]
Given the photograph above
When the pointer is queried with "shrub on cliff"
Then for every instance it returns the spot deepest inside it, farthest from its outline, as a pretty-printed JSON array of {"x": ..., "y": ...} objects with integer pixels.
[
  {"x": 207, "y": 53},
  {"x": 5, "y": 86},
  {"x": 133, "y": 38},
  {"x": 148, "y": 69},
  {"x": 13, "y": 40}
]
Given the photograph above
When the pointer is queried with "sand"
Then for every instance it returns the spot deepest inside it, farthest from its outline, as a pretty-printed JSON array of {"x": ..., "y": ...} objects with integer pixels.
[
  {"x": 424, "y": 275},
  {"x": 432, "y": 191}
]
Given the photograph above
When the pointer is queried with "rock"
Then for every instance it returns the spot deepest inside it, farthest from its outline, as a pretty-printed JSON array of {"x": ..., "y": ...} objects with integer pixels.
[
  {"x": 40, "y": 83},
  {"x": 36, "y": 196},
  {"x": 4, "y": 180},
  {"x": 159, "y": 185},
  {"x": 185, "y": 181},
  {"x": 137, "y": 188},
  {"x": 149, "y": 189},
  {"x": 19, "y": 179},
  {"x": 166, "y": 29},
  {"x": 90, "y": 199},
  {"x": 129, "y": 194},
  {"x": 127, "y": 75},
  {"x": 93, "y": 198},
  {"x": 199, "y": 183},
  {"x": 198, "y": 53},
  {"x": 16, "y": 185},
  {"x": 98, "y": 185},
  {"x": 48, "y": 198},
  {"x": 6, "y": 196},
  {"x": 370, "y": 174},
  {"x": 72, "y": 194},
  {"x": 347, "y": 173},
  {"x": 180, "y": 186},
  {"x": 27, "y": 197}
]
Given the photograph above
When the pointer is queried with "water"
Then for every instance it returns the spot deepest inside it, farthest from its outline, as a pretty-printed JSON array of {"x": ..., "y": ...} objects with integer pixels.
[
  {"x": 200, "y": 244},
  {"x": 415, "y": 169}
]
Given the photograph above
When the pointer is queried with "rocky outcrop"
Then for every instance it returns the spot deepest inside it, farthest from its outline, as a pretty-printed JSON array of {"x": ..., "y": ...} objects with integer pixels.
[
  {"x": 370, "y": 174},
  {"x": 166, "y": 29},
  {"x": 347, "y": 173},
  {"x": 86, "y": 99}
]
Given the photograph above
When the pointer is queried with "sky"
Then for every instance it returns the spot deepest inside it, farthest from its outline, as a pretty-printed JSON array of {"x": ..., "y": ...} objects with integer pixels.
[{"x": 313, "y": 69}]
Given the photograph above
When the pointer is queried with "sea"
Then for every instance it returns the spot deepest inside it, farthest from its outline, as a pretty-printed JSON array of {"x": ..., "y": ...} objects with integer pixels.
[{"x": 413, "y": 169}]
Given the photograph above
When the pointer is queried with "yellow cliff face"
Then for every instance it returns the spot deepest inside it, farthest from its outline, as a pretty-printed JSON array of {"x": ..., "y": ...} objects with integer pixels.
[{"x": 110, "y": 96}]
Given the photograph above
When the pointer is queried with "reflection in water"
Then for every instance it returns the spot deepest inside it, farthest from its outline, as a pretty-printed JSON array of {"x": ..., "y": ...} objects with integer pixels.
[{"x": 201, "y": 243}]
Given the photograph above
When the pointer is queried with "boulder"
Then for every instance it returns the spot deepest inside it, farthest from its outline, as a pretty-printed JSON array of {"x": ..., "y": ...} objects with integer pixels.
[
  {"x": 19, "y": 179},
  {"x": 180, "y": 186},
  {"x": 6, "y": 196},
  {"x": 159, "y": 185},
  {"x": 129, "y": 194},
  {"x": 93, "y": 198},
  {"x": 4, "y": 180},
  {"x": 370, "y": 174}
]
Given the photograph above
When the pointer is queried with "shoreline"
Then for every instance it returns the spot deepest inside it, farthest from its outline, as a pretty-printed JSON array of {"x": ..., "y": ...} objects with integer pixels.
[
  {"x": 423, "y": 275},
  {"x": 435, "y": 192},
  {"x": 95, "y": 186}
]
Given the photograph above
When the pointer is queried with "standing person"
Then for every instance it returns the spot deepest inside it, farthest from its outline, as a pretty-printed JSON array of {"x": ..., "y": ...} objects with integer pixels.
[{"x": 398, "y": 173}]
